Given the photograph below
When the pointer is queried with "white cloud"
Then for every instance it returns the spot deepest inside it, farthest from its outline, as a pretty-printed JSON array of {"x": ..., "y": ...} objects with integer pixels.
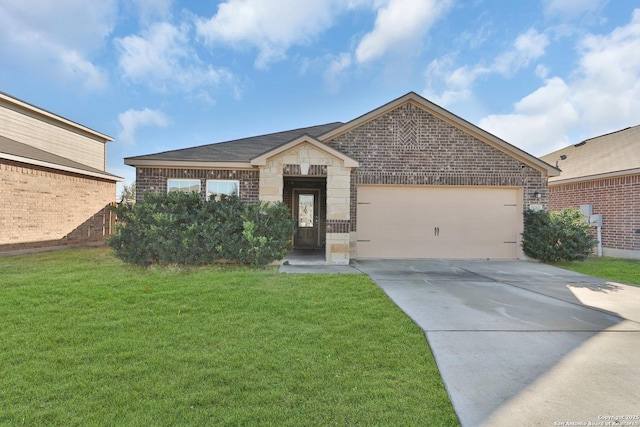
[
  {"x": 91, "y": 77},
  {"x": 608, "y": 88},
  {"x": 57, "y": 37},
  {"x": 455, "y": 85},
  {"x": 76, "y": 24},
  {"x": 163, "y": 59},
  {"x": 150, "y": 10},
  {"x": 572, "y": 8},
  {"x": 527, "y": 48},
  {"x": 333, "y": 74},
  {"x": 542, "y": 71},
  {"x": 539, "y": 120},
  {"x": 271, "y": 26},
  {"x": 603, "y": 96},
  {"x": 131, "y": 120},
  {"x": 399, "y": 23},
  {"x": 274, "y": 27}
]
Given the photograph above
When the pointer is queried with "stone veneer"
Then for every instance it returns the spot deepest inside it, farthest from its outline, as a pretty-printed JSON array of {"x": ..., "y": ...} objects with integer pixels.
[{"x": 338, "y": 191}]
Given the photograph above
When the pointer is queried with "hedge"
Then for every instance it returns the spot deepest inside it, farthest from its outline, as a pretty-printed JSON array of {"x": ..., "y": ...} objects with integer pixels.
[
  {"x": 177, "y": 228},
  {"x": 557, "y": 236}
]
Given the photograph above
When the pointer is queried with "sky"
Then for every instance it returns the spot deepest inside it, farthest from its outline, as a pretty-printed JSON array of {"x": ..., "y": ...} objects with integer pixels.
[{"x": 158, "y": 75}]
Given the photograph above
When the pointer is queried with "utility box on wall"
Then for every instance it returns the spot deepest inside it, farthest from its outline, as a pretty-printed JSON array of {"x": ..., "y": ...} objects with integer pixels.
[
  {"x": 587, "y": 210},
  {"x": 595, "y": 220}
]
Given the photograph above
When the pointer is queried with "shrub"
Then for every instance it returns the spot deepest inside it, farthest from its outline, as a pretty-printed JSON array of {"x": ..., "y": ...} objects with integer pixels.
[
  {"x": 178, "y": 228},
  {"x": 557, "y": 236}
]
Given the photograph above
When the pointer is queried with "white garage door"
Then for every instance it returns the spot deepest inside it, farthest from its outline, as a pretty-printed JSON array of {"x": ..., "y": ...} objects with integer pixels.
[{"x": 438, "y": 222}]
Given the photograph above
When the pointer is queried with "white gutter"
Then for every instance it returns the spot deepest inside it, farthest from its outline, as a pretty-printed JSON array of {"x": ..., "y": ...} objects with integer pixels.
[
  {"x": 178, "y": 164},
  {"x": 594, "y": 177}
]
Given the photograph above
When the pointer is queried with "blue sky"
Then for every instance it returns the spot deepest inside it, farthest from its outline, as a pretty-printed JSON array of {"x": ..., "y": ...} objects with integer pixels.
[{"x": 165, "y": 74}]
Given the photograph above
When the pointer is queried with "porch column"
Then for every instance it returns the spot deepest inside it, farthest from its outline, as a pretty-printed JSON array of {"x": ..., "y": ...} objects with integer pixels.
[
  {"x": 338, "y": 213},
  {"x": 271, "y": 181}
]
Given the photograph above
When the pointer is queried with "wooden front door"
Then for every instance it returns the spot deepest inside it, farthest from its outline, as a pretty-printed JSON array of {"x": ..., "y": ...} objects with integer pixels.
[{"x": 306, "y": 217}]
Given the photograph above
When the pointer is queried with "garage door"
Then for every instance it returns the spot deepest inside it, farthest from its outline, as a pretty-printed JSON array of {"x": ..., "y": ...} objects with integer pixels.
[{"x": 438, "y": 222}]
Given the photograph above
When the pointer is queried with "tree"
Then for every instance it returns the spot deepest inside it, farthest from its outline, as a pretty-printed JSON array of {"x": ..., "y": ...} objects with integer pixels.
[{"x": 128, "y": 195}]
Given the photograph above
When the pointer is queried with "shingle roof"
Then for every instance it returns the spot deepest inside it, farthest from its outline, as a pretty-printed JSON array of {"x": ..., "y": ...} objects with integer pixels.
[
  {"x": 239, "y": 150},
  {"x": 15, "y": 150},
  {"x": 613, "y": 153}
]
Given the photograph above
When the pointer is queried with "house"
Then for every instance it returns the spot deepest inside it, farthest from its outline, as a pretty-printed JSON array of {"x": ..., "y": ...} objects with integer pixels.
[
  {"x": 54, "y": 185},
  {"x": 603, "y": 172},
  {"x": 406, "y": 180}
]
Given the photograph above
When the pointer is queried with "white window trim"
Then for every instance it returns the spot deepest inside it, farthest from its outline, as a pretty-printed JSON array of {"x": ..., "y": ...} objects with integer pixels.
[
  {"x": 234, "y": 181},
  {"x": 184, "y": 180}
]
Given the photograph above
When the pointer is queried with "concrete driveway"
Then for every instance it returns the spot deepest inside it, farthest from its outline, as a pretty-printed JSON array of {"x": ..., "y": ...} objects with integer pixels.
[{"x": 523, "y": 344}]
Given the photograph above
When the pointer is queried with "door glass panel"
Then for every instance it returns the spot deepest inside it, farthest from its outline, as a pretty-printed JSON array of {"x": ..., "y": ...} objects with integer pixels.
[{"x": 305, "y": 210}]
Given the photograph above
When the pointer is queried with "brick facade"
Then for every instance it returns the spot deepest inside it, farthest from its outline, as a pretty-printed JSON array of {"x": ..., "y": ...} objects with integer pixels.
[
  {"x": 154, "y": 180},
  {"x": 409, "y": 146},
  {"x": 44, "y": 207},
  {"x": 616, "y": 199}
]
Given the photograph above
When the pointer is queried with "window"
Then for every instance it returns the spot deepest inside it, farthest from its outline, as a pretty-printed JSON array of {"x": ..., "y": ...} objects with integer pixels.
[
  {"x": 218, "y": 187},
  {"x": 184, "y": 185},
  {"x": 305, "y": 210}
]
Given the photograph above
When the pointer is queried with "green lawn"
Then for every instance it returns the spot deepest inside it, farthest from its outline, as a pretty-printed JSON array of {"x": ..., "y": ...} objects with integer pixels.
[
  {"x": 614, "y": 269},
  {"x": 86, "y": 340}
]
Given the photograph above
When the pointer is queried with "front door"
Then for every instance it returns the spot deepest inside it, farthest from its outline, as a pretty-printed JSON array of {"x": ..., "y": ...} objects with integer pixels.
[{"x": 306, "y": 217}]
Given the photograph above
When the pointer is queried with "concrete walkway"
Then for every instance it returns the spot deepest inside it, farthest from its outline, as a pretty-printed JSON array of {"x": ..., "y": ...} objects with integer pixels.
[
  {"x": 312, "y": 262},
  {"x": 521, "y": 343}
]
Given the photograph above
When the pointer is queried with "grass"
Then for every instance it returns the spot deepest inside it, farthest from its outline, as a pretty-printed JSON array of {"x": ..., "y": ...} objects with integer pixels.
[
  {"x": 86, "y": 340},
  {"x": 614, "y": 269}
]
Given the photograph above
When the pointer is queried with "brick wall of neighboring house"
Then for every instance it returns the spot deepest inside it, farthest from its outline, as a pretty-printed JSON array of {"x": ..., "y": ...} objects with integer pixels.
[
  {"x": 154, "y": 180},
  {"x": 409, "y": 146},
  {"x": 616, "y": 199},
  {"x": 43, "y": 207}
]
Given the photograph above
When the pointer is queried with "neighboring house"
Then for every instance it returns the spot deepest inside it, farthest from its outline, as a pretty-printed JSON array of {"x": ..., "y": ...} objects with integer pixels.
[
  {"x": 54, "y": 185},
  {"x": 603, "y": 172},
  {"x": 406, "y": 180}
]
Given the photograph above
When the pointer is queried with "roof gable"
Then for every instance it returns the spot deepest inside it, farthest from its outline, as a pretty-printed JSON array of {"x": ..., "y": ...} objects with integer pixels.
[
  {"x": 612, "y": 154},
  {"x": 304, "y": 139},
  {"x": 246, "y": 152},
  {"x": 445, "y": 115},
  {"x": 47, "y": 116}
]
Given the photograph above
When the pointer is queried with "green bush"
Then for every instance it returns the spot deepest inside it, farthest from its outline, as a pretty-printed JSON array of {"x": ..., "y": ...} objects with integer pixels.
[
  {"x": 557, "y": 236},
  {"x": 178, "y": 228}
]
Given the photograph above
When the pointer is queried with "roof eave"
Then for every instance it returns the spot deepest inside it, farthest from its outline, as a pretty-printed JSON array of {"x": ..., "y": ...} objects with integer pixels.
[
  {"x": 55, "y": 166},
  {"x": 595, "y": 177},
  {"x": 180, "y": 164}
]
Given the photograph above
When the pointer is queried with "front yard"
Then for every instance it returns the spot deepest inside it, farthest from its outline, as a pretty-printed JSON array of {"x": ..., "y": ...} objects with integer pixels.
[
  {"x": 87, "y": 340},
  {"x": 614, "y": 269}
]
